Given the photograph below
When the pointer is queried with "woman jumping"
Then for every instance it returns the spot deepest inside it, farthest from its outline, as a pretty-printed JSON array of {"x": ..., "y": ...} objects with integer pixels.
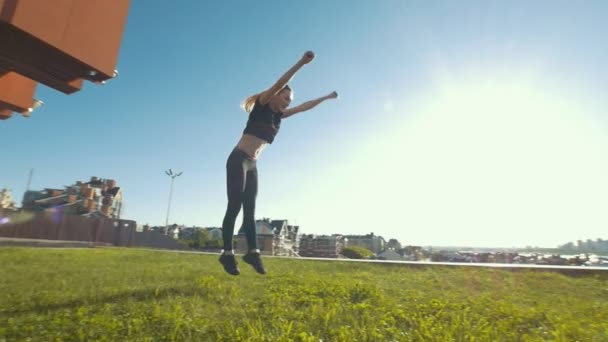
[{"x": 266, "y": 109}]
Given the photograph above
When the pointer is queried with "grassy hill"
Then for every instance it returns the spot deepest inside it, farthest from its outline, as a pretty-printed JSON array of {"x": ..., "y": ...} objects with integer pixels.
[{"x": 131, "y": 294}]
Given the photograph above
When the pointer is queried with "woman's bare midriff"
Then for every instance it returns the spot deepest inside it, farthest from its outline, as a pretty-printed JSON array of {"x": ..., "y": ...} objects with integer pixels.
[{"x": 251, "y": 145}]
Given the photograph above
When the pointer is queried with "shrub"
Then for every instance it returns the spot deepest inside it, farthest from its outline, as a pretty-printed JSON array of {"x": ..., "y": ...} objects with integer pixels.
[{"x": 357, "y": 252}]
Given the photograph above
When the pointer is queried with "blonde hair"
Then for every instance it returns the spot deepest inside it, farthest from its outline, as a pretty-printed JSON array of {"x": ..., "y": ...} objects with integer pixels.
[{"x": 249, "y": 102}]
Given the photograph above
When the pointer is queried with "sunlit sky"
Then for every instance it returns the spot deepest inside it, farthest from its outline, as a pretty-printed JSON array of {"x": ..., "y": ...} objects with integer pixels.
[{"x": 477, "y": 123}]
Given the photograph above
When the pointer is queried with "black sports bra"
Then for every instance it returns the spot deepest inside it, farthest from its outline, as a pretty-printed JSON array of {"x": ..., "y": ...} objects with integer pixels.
[{"x": 263, "y": 122}]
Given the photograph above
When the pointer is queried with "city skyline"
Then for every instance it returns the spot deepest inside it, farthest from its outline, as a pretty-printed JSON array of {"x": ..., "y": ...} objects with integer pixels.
[{"x": 167, "y": 227}]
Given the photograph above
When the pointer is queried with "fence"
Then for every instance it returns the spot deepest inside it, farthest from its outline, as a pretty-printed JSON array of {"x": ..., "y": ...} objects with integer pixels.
[{"x": 56, "y": 226}]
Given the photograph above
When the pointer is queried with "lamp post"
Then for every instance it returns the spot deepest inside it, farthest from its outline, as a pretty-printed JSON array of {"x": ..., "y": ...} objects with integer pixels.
[{"x": 173, "y": 176}]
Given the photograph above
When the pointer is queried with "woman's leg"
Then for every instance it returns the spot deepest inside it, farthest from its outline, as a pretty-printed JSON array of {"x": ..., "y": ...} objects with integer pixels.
[
  {"x": 249, "y": 197},
  {"x": 235, "y": 182}
]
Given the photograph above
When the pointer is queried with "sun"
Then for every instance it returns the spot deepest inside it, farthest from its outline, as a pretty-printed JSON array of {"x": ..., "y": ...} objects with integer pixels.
[{"x": 491, "y": 160}]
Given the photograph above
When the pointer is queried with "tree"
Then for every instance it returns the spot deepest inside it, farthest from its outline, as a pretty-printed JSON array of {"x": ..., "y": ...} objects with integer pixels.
[
  {"x": 214, "y": 244},
  {"x": 602, "y": 245},
  {"x": 357, "y": 252},
  {"x": 393, "y": 244},
  {"x": 590, "y": 246},
  {"x": 568, "y": 248},
  {"x": 199, "y": 238}
]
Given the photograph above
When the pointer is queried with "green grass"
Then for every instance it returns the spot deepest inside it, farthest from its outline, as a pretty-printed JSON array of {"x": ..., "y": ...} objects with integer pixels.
[{"x": 141, "y": 295}]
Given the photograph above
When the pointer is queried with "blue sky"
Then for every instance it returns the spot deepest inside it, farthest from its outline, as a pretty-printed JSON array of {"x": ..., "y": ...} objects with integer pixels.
[{"x": 477, "y": 123}]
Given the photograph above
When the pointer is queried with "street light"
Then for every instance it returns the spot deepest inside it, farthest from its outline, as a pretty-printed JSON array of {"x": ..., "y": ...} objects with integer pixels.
[{"x": 172, "y": 175}]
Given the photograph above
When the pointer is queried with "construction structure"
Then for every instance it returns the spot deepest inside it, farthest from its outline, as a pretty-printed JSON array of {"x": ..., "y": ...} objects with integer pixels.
[
  {"x": 322, "y": 246},
  {"x": 96, "y": 198},
  {"x": 59, "y": 43}
]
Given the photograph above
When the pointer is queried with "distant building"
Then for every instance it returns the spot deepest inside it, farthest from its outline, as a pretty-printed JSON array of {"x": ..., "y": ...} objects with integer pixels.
[
  {"x": 322, "y": 246},
  {"x": 274, "y": 237},
  {"x": 215, "y": 233},
  {"x": 391, "y": 255},
  {"x": 6, "y": 200},
  {"x": 159, "y": 229},
  {"x": 414, "y": 253},
  {"x": 265, "y": 236},
  {"x": 187, "y": 232},
  {"x": 286, "y": 239},
  {"x": 174, "y": 231},
  {"x": 374, "y": 243},
  {"x": 96, "y": 198}
]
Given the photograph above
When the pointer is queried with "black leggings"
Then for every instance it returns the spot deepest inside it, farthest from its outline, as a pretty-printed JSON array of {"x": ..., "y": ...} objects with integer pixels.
[{"x": 242, "y": 184}]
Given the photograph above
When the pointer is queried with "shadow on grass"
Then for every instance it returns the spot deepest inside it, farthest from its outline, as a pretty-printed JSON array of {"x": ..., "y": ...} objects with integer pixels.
[{"x": 136, "y": 295}]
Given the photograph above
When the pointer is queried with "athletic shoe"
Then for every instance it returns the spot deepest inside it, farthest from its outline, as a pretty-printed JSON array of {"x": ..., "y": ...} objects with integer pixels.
[
  {"x": 230, "y": 264},
  {"x": 254, "y": 260}
]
